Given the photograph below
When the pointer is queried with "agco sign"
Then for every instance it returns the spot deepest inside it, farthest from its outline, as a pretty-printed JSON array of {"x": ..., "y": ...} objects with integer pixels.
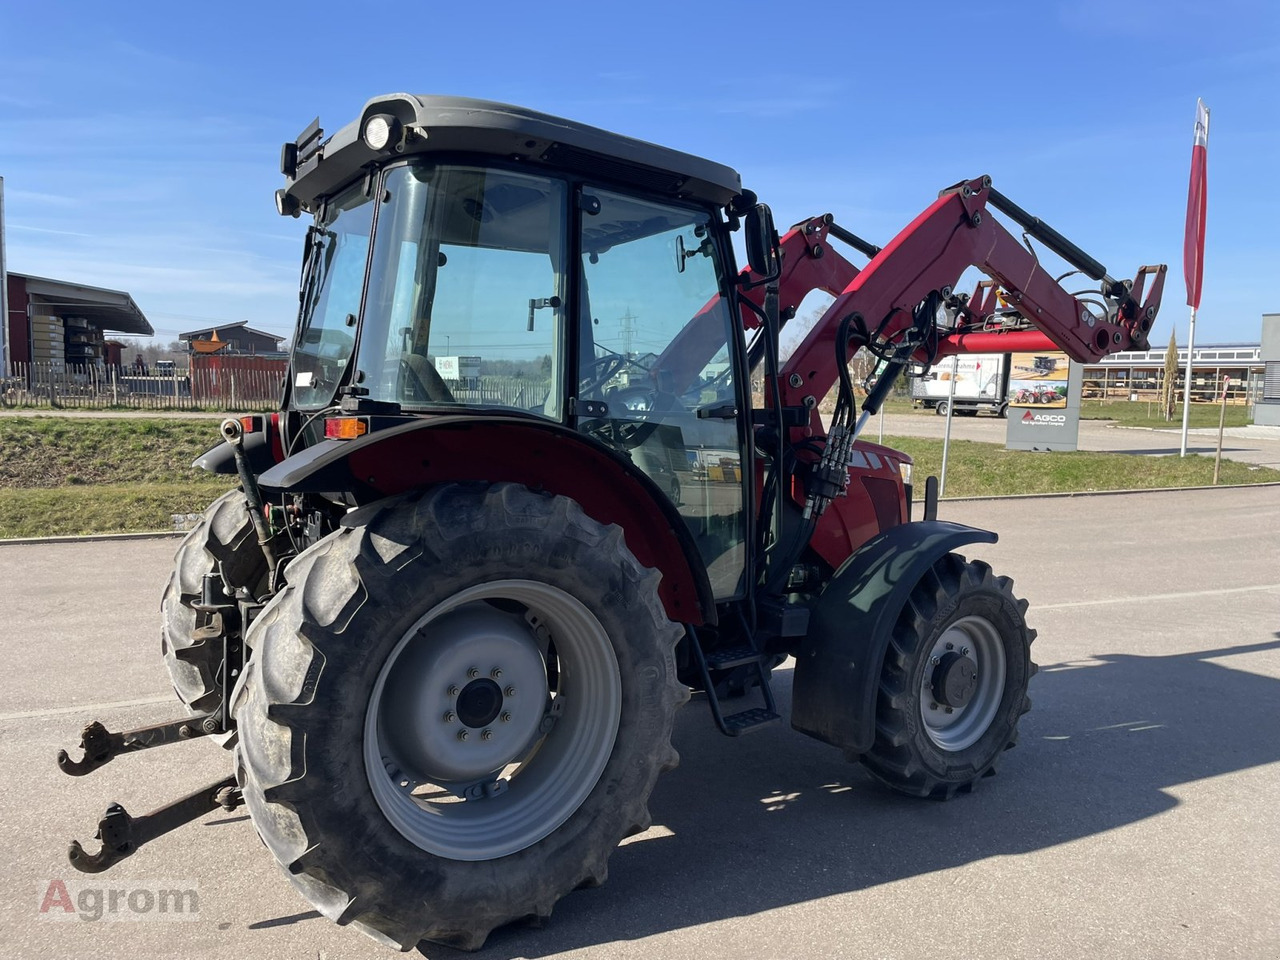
[{"x": 1048, "y": 419}]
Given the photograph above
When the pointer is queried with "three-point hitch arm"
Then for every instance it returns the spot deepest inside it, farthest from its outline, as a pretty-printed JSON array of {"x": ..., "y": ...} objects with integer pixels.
[{"x": 891, "y": 304}]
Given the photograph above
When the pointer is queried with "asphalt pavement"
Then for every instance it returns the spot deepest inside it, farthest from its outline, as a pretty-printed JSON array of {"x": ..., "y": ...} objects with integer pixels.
[{"x": 1136, "y": 818}]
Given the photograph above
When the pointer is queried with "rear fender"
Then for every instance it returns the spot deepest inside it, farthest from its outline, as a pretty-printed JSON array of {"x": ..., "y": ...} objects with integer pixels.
[
  {"x": 541, "y": 455},
  {"x": 837, "y": 672}
]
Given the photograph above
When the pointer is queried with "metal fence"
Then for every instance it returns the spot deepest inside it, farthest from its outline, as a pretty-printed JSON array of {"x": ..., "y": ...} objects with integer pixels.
[
  {"x": 253, "y": 384},
  {"x": 78, "y": 387},
  {"x": 521, "y": 392}
]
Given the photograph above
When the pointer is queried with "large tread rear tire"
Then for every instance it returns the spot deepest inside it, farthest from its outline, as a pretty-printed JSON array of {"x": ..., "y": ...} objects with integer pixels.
[
  {"x": 907, "y": 756},
  {"x": 303, "y": 708},
  {"x": 222, "y": 541}
]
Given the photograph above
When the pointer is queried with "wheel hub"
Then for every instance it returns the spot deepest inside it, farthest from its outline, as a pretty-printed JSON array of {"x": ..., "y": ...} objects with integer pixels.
[
  {"x": 479, "y": 703},
  {"x": 463, "y": 788},
  {"x": 955, "y": 679},
  {"x": 442, "y": 720},
  {"x": 963, "y": 683}
]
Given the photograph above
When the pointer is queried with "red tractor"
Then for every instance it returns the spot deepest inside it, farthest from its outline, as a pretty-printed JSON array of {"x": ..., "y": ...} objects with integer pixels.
[{"x": 519, "y": 501}]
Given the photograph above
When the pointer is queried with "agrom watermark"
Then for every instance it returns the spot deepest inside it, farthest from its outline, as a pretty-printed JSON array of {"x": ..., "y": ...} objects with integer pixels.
[{"x": 80, "y": 900}]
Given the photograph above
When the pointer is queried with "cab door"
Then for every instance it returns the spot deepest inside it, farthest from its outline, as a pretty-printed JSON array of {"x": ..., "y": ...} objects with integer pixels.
[{"x": 657, "y": 364}]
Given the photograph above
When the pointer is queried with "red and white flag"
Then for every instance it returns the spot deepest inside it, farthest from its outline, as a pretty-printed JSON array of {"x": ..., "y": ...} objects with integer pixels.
[{"x": 1197, "y": 199}]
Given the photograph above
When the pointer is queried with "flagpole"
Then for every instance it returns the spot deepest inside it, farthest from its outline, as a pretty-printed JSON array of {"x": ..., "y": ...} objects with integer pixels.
[
  {"x": 1193, "y": 247},
  {"x": 1186, "y": 388}
]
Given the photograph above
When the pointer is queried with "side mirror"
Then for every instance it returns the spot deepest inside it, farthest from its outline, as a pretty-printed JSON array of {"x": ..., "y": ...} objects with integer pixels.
[{"x": 762, "y": 242}]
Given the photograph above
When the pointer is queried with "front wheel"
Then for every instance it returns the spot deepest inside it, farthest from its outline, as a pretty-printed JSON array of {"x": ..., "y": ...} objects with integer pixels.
[
  {"x": 954, "y": 681},
  {"x": 941, "y": 408},
  {"x": 455, "y": 710}
]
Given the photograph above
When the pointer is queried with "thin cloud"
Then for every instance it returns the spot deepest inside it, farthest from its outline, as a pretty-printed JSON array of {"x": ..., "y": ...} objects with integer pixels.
[
  {"x": 48, "y": 199},
  {"x": 57, "y": 233}
]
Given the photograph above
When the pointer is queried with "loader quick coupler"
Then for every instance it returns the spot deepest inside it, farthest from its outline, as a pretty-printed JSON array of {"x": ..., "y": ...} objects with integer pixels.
[{"x": 122, "y": 834}]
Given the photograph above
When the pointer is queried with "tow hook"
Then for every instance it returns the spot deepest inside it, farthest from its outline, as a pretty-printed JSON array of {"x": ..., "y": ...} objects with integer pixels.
[
  {"x": 122, "y": 834},
  {"x": 100, "y": 745}
]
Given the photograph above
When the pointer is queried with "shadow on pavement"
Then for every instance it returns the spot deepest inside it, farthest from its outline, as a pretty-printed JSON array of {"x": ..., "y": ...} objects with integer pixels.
[
  {"x": 285, "y": 921},
  {"x": 776, "y": 818}
]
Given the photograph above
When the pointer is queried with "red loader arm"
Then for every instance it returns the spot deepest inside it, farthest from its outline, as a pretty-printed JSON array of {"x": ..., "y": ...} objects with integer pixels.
[{"x": 953, "y": 234}]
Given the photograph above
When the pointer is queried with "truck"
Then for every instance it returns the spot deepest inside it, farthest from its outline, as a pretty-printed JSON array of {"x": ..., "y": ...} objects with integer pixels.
[
  {"x": 444, "y": 637},
  {"x": 981, "y": 383}
]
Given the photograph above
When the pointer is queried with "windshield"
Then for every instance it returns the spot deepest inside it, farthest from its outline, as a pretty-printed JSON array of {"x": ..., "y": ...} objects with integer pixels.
[
  {"x": 465, "y": 305},
  {"x": 332, "y": 298}
]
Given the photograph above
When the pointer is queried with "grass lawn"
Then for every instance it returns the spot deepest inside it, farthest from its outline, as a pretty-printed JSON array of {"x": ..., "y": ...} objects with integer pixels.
[
  {"x": 102, "y": 508},
  {"x": 65, "y": 476},
  {"x": 987, "y": 469},
  {"x": 1138, "y": 414},
  {"x": 58, "y": 451}
]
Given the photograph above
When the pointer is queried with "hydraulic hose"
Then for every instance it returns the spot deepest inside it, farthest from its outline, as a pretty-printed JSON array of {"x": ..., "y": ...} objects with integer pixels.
[{"x": 233, "y": 434}]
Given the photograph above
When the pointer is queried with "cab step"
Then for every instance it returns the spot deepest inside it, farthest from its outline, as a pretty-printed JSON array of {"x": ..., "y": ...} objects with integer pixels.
[
  {"x": 731, "y": 657},
  {"x": 736, "y": 724},
  {"x": 743, "y": 655}
]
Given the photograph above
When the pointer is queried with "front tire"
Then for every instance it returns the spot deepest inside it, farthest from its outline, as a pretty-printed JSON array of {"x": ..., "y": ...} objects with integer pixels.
[
  {"x": 954, "y": 682},
  {"x": 941, "y": 408},
  {"x": 361, "y": 683}
]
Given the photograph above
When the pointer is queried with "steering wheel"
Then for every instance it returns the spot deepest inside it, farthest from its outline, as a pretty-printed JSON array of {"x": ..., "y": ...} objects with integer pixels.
[
  {"x": 623, "y": 434},
  {"x": 601, "y": 370}
]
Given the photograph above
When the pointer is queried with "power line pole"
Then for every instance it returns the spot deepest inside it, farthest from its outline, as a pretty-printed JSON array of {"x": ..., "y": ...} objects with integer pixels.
[{"x": 627, "y": 327}]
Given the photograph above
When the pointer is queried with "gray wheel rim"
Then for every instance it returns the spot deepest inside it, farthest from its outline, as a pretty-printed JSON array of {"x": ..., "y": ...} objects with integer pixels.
[
  {"x": 955, "y": 728},
  {"x": 524, "y": 766}
]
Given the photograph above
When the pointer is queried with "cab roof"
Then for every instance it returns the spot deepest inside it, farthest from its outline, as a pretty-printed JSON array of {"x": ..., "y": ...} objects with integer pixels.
[{"x": 314, "y": 167}]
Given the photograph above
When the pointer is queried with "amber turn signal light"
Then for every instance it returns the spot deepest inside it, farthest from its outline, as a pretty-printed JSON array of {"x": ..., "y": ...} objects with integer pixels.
[{"x": 345, "y": 428}]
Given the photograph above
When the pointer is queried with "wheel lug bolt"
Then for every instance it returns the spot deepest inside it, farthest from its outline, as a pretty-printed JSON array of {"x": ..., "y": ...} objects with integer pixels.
[
  {"x": 934, "y": 661},
  {"x": 448, "y": 716},
  {"x": 933, "y": 706},
  {"x": 506, "y": 718},
  {"x": 951, "y": 646},
  {"x": 454, "y": 691},
  {"x": 472, "y": 673},
  {"x": 964, "y": 651},
  {"x": 496, "y": 673},
  {"x": 950, "y": 710},
  {"x": 510, "y": 691},
  {"x": 462, "y": 734},
  {"x": 487, "y": 735}
]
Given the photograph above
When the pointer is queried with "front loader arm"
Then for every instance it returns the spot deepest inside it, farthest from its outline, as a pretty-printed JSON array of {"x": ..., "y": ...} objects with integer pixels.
[{"x": 928, "y": 256}]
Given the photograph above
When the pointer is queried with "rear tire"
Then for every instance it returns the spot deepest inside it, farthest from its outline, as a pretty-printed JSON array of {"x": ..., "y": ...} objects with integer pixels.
[
  {"x": 357, "y": 778},
  {"x": 223, "y": 541},
  {"x": 962, "y": 632}
]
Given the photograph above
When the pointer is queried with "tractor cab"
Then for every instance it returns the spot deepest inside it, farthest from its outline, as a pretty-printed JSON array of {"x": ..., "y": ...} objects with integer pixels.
[{"x": 473, "y": 259}]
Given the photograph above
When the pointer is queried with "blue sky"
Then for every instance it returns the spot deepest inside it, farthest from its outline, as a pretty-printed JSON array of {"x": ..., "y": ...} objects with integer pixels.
[{"x": 139, "y": 142}]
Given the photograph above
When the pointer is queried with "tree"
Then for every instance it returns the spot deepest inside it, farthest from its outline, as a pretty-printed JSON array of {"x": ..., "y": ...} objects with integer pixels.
[{"x": 1169, "y": 389}]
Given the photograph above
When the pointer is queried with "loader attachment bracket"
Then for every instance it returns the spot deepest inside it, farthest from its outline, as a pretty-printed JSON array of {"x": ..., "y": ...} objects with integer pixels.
[{"x": 122, "y": 834}]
